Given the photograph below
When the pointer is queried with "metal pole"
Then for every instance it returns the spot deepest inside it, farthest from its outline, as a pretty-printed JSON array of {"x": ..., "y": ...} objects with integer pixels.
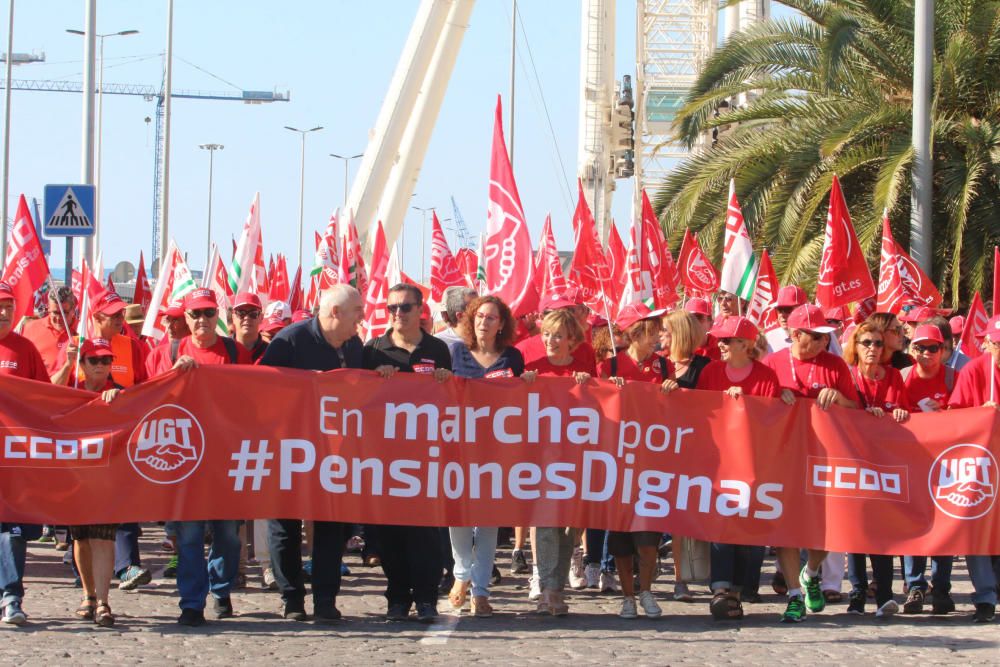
[
  {"x": 6, "y": 136},
  {"x": 921, "y": 223},
  {"x": 423, "y": 248},
  {"x": 302, "y": 194},
  {"x": 513, "y": 49},
  {"x": 165, "y": 183},
  {"x": 87, "y": 152},
  {"x": 99, "y": 141},
  {"x": 346, "y": 162},
  {"x": 208, "y": 244}
]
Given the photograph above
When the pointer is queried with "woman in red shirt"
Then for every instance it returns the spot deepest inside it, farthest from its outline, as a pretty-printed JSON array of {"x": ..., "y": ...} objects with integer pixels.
[
  {"x": 929, "y": 382},
  {"x": 735, "y": 566},
  {"x": 94, "y": 545},
  {"x": 881, "y": 392}
]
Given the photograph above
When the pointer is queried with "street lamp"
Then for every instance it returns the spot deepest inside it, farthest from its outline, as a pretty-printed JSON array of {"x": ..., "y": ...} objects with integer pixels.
[
  {"x": 211, "y": 148},
  {"x": 423, "y": 237},
  {"x": 302, "y": 180},
  {"x": 347, "y": 160},
  {"x": 100, "y": 123}
]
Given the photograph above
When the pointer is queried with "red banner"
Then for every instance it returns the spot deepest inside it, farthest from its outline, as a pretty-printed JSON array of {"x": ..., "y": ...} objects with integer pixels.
[{"x": 350, "y": 446}]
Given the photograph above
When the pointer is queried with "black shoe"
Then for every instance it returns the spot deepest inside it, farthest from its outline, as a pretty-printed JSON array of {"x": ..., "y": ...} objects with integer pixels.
[
  {"x": 751, "y": 597},
  {"x": 941, "y": 603},
  {"x": 222, "y": 608},
  {"x": 985, "y": 613},
  {"x": 192, "y": 618},
  {"x": 326, "y": 613},
  {"x": 426, "y": 612},
  {"x": 518, "y": 563},
  {"x": 397, "y": 612},
  {"x": 856, "y": 605},
  {"x": 914, "y": 602},
  {"x": 495, "y": 576},
  {"x": 295, "y": 612}
]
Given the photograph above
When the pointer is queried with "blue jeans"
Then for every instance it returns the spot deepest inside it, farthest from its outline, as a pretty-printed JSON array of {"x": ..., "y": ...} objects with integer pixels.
[
  {"x": 984, "y": 572},
  {"x": 857, "y": 573},
  {"x": 597, "y": 550},
  {"x": 735, "y": 567},
  {"x": 12, "y": 552},
  {"x": 474, "y": 550},
  {"x": 127, "y": 547},
  {"x": 914, "y": 567},
  {"x": 194, "y": 579}
]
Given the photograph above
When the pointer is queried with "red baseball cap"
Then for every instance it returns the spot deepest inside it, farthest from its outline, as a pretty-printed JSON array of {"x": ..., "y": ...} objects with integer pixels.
[
  {"x": 698, "y": 306},
  {"x": 247, "y": 299},
  {"x": 635, "y": 312},
  {"x": 200, "y": 298},
  {"x": 839, "y": 313},
  {"x": 174, "y": 309},
  {"x": 791, "y": 296},
  {"x": 272, "y": 325},
  {"x": 279, "y": 309},
  {"x": 735, "y": 327},
  {"x": 918, "y": 314},
  {"x": 992, "y": 330},
  {"x": 96, "y": 347},
  {"x": 6, "y": 291},
  {"x": 109, "y": 303},
  {"x": 928, "y": 332},
  {"x": 957, "y": 325},
  {"x": 808, "y": 317},
  {"x": 555, "y": 302},
  {"x": 300, "y": 315}
]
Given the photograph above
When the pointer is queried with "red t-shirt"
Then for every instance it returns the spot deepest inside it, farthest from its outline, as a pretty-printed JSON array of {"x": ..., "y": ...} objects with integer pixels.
[
  {"x": 19, "y": 357},
  {"x": 918, "y": 388},
  {"x": 888, "y": 393},
  {"x": 547, "y": 369},
  {"x": 533, "y": 349},
  {"x": 807, "y": 378},
  {"x": 648, "y": 371},
  {"x": 50, "y": 342},
  {"x": 159, "y": 359},
  {"x": 762, "y": 380},
  {"x": 972, "y": 388}
]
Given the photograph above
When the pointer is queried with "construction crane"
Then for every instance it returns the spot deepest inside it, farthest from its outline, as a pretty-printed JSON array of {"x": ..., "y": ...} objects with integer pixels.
[
  {"x": 463, "y": 236},
  {"x": 151, "y": 93}
]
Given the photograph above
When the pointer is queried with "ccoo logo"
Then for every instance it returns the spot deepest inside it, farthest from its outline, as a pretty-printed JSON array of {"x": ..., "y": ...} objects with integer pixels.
[
  {"x": 167, "y": 445},
  {"x": 963, "y": 481}
]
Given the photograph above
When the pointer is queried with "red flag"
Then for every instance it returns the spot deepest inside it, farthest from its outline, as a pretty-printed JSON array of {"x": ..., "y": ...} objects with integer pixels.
[
  {"x": 295, "y": 298},
  {"x": 765, "y": 294},
  {"x": 975, "y": 323},
  {"x": 376, "y": 315},
  {"x": 508, "y": 261},
  {"x": 657, "y": 260},
  {"x": 424, "y": 289},
  {"x": 313, "y": 297},
  {"x": 843, "y": 272},
  {"x": 142, "y": 293},
  {"x": 280, "y": 287},
  {"x": 697, "y": 273},
  {"x": 901, "y": 281},
  {"x": 25, "y": 268},
  {"x": 615, "y": 258},
  {"x": 996, "y": 281},
  {"x": 270, "y": 269},
  {"x": 111, "y": 285},
  {"x": 553, "y": 280},
  {"x": 864, "y": 309},
  {"x": 467, "y": 262},
  {"x": 444, "y": 268},
  {"x": 589, "y": 271}
]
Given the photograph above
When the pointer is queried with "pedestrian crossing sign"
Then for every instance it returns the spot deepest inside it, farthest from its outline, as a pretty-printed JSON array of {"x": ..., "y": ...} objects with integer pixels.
[{"x": 69, "y": 210}]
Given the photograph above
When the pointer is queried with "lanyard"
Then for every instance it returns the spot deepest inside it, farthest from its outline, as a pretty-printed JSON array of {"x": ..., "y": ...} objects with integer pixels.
[{"x": 803, "y": 389}]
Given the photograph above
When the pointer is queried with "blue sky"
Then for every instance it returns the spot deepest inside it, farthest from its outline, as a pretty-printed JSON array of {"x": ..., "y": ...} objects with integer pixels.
[{"x": 336, "y": 58}]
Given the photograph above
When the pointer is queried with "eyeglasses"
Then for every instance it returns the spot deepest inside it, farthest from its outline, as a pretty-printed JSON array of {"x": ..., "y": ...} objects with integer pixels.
[
  {"x": 402, "y": 308},
  {"x": 933, "y": 349},
  {"x": 870, "y": 342},
  {"x": 726, "y": 341},
  {"x": 207, "y": 313},
  {"x": 487, "y": 318},
  {"x": 102, "y": 361},
  {"x": 247, "y": 314}
]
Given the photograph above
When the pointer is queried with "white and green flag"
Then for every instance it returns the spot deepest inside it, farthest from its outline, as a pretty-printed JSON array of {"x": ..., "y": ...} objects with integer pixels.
[{"x": 739, "y": 264}]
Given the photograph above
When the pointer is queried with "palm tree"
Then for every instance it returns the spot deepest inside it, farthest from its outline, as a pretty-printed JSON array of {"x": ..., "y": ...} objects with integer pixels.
[{"x": 830, "y": 92}]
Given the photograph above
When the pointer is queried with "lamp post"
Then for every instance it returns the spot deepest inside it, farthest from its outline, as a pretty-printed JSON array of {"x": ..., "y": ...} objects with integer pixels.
[
  {"x": 423, "y": 237},
  {"x": 100, "y": 122},
  {"x": 347, "y": 160},
  {"x": 302, "y": 180},
  {"x": 211, "y": 148}
]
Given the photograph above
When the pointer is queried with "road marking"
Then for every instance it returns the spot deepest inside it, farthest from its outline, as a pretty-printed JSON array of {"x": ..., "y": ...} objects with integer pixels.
[{"x": 440, "y": 630}]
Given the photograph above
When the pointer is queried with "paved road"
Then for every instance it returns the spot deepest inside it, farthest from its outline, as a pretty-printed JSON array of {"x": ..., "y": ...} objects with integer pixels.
[{"x": 147, "y": 633}]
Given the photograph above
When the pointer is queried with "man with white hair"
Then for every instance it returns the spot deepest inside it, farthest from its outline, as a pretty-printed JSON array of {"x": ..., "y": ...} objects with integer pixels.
[
  {"x": 455, "y": 300},
  {"x": 322, "y": 343}
]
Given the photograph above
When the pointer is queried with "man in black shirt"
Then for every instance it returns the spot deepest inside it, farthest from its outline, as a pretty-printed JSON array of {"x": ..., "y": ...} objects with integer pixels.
[
  {"x": 322, "y": 343},
  {"x": 411, "y": 555}
]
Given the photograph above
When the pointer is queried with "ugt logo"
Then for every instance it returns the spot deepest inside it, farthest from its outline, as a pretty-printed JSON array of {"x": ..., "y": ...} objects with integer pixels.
[
  {"x": 963, "y": 481},
  {"x": 167, "y": 445}
]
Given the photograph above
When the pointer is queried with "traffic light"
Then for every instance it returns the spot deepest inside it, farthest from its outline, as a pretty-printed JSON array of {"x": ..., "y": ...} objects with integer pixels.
[{"x": 623, "y": 132}]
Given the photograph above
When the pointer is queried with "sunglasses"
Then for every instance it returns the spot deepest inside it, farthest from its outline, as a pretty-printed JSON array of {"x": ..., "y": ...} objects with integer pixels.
[
  {"x": 102, "y": 361},
  {"x": 247, "y": 314},
  {"x": 726, "y": 341},
  {"x": 933, "y": 349},
  {"x": 207, "y": 313},
  {"x": 403, "y": 308},
  {"x": 871, "y": 343}
]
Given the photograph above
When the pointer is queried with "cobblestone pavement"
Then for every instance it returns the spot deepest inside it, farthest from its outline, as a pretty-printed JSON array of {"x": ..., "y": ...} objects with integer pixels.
[{"x": 147, "y": 633}]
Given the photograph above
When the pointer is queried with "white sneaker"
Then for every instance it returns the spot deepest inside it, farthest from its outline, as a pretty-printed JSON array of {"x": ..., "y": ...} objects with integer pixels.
[
  {"x": 649, "y": 606},
  {"x": 888, "y": 609},
  {"x": 628, "y": 609},
  {"x": 269, "y": 581},
  {"x": 592, "y": 573},
  {"x": 535, "y": 589},
  {"x": 609, "y": 583},
  {"x": 576, "y": 570}
]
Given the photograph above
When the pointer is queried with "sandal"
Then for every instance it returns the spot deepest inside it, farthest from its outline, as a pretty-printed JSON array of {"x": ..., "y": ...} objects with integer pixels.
[
  {"x": 103, "y": 616},
  {"x": 481, "y": 607},
  {"x": 726, "y": 607},
  {"x": 833, "y": 597},
  {"x": 86, "y": 609},
  {"x": 459, "y": 591},
  {"x": 778, "y": 583}
]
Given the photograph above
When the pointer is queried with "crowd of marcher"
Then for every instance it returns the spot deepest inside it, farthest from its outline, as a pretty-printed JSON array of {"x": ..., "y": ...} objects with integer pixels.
[{"x": 885, "y": 365}]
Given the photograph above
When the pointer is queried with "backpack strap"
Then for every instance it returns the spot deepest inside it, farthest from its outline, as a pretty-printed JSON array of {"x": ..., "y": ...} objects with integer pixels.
[
  {"x": 664, "y": 374},
  {"x": 949, "y": 378},
  {"x": 614, "y": 366},
  {"x": 231, "y": 350}
]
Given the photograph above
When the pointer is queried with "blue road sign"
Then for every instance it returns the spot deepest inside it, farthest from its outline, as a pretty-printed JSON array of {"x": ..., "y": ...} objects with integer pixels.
[{"x": 69, "y": 210}]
